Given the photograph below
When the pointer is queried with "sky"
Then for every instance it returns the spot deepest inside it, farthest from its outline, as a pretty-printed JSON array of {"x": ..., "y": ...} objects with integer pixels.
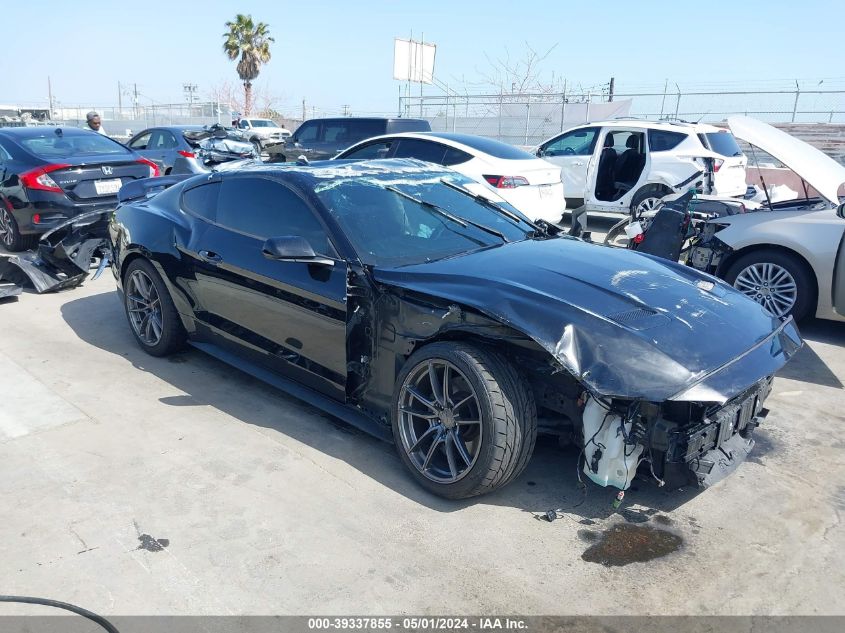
[{"x": 340, "y": 52}]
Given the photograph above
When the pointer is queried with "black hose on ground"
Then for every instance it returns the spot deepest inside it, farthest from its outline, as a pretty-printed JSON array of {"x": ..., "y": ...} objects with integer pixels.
[{"x": 85, "y": 613}]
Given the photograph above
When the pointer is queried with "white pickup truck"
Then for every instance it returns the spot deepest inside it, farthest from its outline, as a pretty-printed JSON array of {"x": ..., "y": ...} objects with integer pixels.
[{"x": 263, "y": 132}]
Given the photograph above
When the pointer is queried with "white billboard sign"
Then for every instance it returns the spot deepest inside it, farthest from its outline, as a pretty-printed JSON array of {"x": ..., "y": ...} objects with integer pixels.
[{"x": 413, "y": 61}]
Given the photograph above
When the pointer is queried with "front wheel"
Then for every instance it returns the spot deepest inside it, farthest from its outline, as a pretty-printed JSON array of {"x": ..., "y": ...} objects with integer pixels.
[
  {"x": 778, "y": 281},
  {"x": 464, "y": 421}
]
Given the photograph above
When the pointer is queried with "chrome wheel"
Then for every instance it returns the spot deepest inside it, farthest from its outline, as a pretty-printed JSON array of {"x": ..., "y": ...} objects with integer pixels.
[
  {"x": 646, "y": 205},
  {"x": 144, "y": 307},
  {"x": 770, "y": 285},
  {"x": 439, "y": 421},
  {"x": 7, "y": 233}
]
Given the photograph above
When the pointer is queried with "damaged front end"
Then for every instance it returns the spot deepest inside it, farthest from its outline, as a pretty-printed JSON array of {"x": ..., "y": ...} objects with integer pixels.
[
  {"x": 683, "y": 444},
  {"x": 64, "y": 256},
  {"x": 707, "y": 251}
]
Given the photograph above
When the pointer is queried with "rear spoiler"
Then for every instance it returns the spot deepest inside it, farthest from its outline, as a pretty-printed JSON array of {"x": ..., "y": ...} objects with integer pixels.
[{"x": 147, "y": 186}]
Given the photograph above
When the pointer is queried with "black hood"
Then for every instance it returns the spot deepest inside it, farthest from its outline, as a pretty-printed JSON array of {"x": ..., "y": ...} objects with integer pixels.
[{"x": 623, "y": 323}]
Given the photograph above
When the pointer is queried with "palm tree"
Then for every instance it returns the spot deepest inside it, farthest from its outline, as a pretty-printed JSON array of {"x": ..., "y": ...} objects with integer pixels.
[{"x": 250, "y": 42}]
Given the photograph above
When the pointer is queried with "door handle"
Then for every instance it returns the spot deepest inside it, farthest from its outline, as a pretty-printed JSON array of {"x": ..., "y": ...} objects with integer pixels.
[
  {"x": 578, "y": 163},
  {"x": 211, "y": 258}
]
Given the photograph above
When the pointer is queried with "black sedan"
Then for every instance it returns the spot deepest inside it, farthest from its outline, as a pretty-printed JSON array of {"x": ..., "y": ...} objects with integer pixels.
[
  {"x": 391, "y": 296},
  {"x": 50, "y": 174}
]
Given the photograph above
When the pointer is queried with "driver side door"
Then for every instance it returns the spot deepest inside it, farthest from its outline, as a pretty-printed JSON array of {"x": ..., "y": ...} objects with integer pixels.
[
  {"x": 287, "y": 315},
  {"x": 573, "y": 152}
]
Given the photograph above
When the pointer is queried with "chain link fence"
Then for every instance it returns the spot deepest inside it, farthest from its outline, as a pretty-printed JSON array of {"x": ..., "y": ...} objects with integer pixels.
[{"x": 528, "y": 119}]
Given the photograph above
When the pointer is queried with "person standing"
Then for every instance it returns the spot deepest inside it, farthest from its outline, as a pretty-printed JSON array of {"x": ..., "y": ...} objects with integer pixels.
[{"x": 93, "y": 123}]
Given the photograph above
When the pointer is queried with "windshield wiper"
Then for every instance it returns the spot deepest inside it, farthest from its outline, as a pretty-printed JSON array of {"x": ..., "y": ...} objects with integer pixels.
[
  {"x": 464, "y": 222},
  {"x": 487, "y": 202}
]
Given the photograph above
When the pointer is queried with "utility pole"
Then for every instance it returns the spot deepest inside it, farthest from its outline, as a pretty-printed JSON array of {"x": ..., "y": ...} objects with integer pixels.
[
  {"x": 49, "y": 98},
  {"x": 346, "y": 109},
  {"x": 119, "y": 100},
  {"x": 612, "y": 85},
  {"x": 303, "y": 110},
  {"x": 135, "y": 87}
]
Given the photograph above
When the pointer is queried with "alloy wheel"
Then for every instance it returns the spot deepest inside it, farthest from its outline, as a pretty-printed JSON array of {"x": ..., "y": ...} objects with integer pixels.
[
  {"x": 647, "y": 204},
  {"x": 770, "y": 285},
  {"x": 7, "y": 233},
  {"x": 144, "y": 307},
  {"x": 439, "y": 421}
]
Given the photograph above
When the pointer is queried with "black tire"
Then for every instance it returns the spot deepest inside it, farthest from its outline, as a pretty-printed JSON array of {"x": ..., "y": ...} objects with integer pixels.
[
  {"x": 805, "y": 286},
  {"x": 647, "y": 192},
  {"x": 172, "y": 336},
  {"x": 12, "y": 240},
  {"x": 508, "y": 418},
  {"x": 256, "y": 145}
]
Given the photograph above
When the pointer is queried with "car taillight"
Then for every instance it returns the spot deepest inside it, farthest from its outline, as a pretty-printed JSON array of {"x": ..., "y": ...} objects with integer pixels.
[
  {"x": 717, "y": 164},
  {"x": 40, "y": 180},
  {"x": 506, "y": 182},
  {"x": 153, "y": 167},
  {"x": 182, "y": 152}
]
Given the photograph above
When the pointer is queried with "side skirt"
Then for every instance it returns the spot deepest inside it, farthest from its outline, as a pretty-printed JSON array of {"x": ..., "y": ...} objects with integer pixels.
[{"x": 349, "y": 415}]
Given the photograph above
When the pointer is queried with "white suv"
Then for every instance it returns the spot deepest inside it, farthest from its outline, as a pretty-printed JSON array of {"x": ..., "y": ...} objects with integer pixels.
[{"x": 630, "y": 164}]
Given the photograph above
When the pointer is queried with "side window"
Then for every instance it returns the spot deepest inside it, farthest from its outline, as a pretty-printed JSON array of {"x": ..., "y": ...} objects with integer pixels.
[
  {"x": 4, "y": 154},
  {"x": 455, "y": 156},
  {"x": 421, "y": 150},
  {"x": 202, "y": 201},
  {"x": 168, "y": 140},
  {"x": 623, "y": 140},
  {"x": 336, "y": 133},
  {"x": 161, "y": 139},
  {"x": 580, "y": 142},
  {"x": 358, "y": 130},
  {"x": 141, "y": 142},
  {"x": 244, "y": 124},
  {"x": 663, "y": 140},
  {"x": 379, "y": 149},
  {"x": 265, "y": 208},
  {"x": 308, "y": 133}
]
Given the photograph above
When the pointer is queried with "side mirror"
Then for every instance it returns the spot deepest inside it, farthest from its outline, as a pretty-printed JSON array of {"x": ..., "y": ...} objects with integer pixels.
[
  {"x": 293, "y": 248},
  {"x": 840, "y": 210}
]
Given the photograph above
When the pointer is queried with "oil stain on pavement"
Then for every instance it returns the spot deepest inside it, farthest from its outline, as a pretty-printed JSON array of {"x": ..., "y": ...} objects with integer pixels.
[{"x": 626, "y": 543}]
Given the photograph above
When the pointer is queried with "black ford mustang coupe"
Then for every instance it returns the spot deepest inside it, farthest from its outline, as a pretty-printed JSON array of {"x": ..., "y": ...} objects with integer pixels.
[{"x": 396, "y": 296}]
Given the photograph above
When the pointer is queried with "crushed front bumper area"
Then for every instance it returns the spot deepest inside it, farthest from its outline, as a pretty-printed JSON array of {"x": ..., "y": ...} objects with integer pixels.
[
  {"x": 704, "y": 453},
  {"x": 63, "y": 257}
]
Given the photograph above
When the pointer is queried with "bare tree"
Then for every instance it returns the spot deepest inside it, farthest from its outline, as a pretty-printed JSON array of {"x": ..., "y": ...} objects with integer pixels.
[{"x": 519, "y": 75}]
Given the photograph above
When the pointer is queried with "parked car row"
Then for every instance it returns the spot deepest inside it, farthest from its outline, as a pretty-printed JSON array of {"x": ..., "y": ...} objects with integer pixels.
[{"x": 405, "y": 286}]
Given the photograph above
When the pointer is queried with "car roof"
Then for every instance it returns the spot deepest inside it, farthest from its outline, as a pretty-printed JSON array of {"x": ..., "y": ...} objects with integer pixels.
[
  {"x": 334, "y": 171},
  {"x": 467, "y": 142},
  {"x": 677, "y": 126},
  {"x": 171, "y": 128},
  {"x": 35, "y": 131}
]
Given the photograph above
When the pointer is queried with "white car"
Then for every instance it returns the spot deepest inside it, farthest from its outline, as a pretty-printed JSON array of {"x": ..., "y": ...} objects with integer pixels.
[
  {"x": 530, "y": 184},
  {"x": 262, "y": 132},
  {"x": 788, "y": 255},
  {"x": 629, "y": 164}
]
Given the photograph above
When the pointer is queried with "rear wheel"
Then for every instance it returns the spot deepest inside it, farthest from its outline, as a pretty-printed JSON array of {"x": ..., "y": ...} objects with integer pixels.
[
  {"x": 464, "y": 420},
  {"x": 11, "y": 237},
  {"x": 150, "y": 310},
  {"x": 778, "y": 281},
  {"x": 647, "y": 198}
]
